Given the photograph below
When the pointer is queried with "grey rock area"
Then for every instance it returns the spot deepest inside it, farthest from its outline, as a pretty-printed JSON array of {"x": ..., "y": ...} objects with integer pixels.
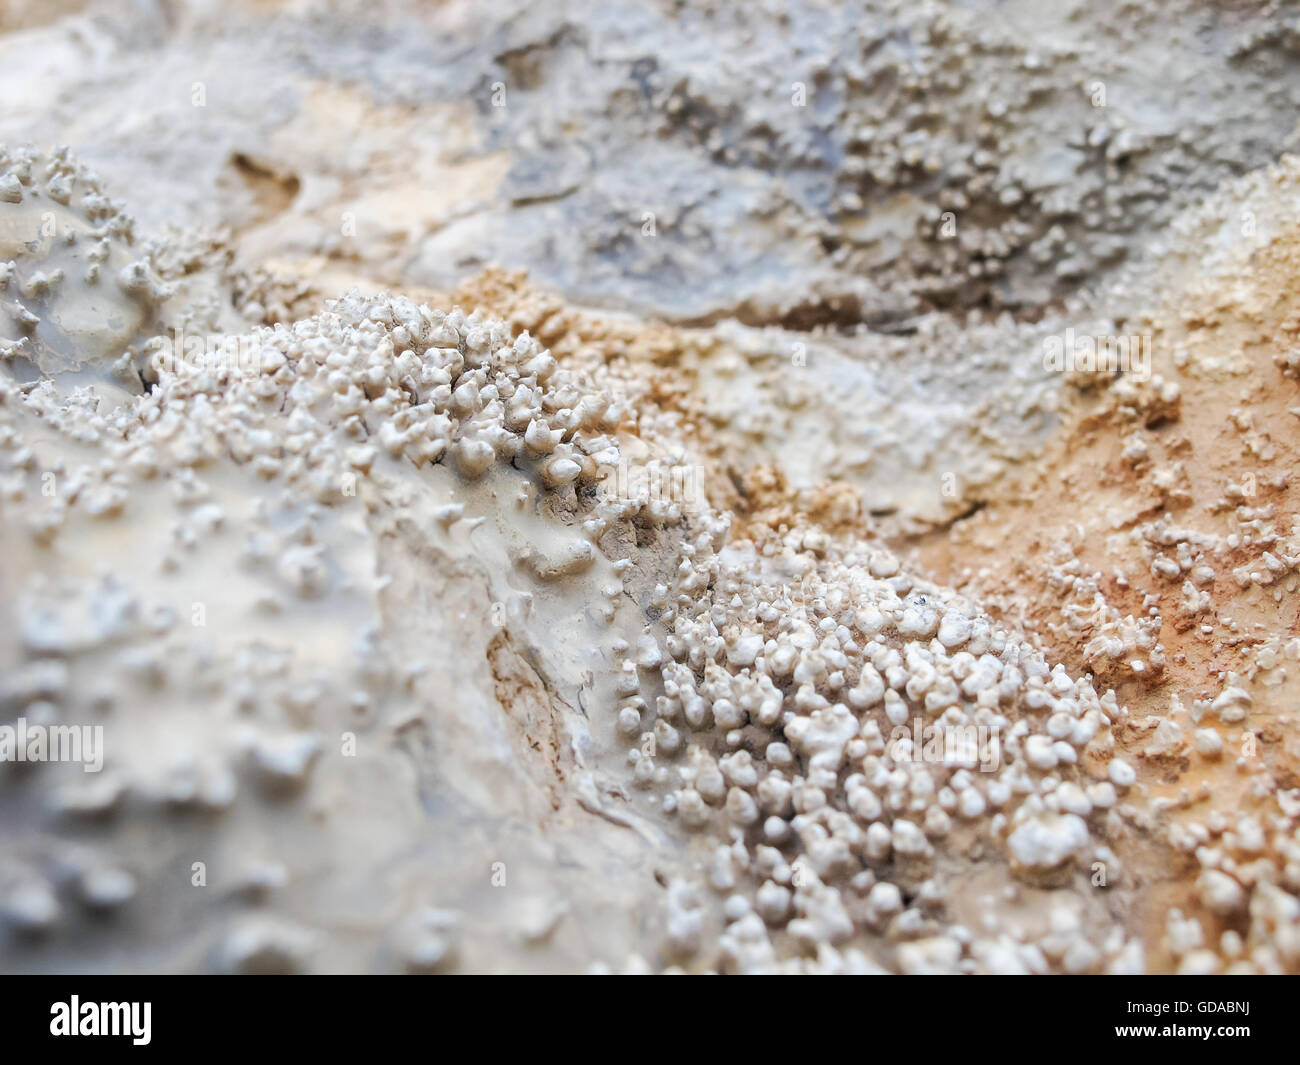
[
  {"x": 846, "y": 173},
  {"x": 798, "y": 159}
]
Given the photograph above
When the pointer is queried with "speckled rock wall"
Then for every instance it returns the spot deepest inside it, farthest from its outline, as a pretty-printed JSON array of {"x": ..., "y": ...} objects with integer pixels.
[{"x": 524, "y": 487}]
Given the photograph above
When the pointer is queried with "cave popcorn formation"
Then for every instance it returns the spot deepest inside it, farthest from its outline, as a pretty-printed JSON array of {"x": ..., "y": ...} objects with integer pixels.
[
  {"x": 366, "y": 611},
  {"x": 734, "y": 701}
]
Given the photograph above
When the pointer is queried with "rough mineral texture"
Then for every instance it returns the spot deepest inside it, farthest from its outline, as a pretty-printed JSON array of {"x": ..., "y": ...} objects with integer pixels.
[{"x": 546, "y": 487}]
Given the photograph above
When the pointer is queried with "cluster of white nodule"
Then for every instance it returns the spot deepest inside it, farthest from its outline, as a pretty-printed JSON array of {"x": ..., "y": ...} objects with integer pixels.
[
  {"x": 835, "y": 745},
  {"x": 1248, "y": 883},
  {"x": 243, "y": 485},
  {"x": 431, "y": 387},
  {"x": 799, "y": 722},
  {"x": 390, "y": 377},
  {"x": 331, "y": 393},
  {"x": 76, "y": 288}
]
